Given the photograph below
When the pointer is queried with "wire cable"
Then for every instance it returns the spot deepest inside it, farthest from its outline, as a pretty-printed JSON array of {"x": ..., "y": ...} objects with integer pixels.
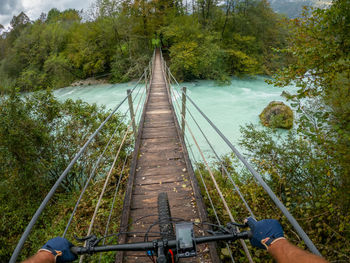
[
  {"x": 221, "y": 162},
  {"x": 59, "y": 181},
  {"x": 210, "y": 200},
  {"x": 261, "y": 181},
  {"x": 108, "y": 177},
  {"x": 113, "y": 202},
  {"x": 91, "y": 176},
  {"x": 244, "y": 245}
]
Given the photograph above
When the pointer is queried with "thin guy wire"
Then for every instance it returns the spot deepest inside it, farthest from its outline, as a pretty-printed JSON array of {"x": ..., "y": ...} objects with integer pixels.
[
  {"x": 236, "y": 187},
  {"x": 108, "y": 177},
  {"x": 244, "y": 245},
  {"x": 138, "y": 92},
  {"x": 212, "y": 205},
  {"x": 221, "y": 162},
  {"x": 58, "y": 182},
  {"x": 114, "y": 198},
  {"x": 91, "y": 176},
  {"x": 113, "y": 202},
  {"x": 211, "y": 201},
  {"x": 110, "y": 172},
  {"x": 105, "y": 186}
]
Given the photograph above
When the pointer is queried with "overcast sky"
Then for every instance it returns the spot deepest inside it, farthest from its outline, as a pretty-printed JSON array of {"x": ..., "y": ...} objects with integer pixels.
[{"x": 33, "y": 8}]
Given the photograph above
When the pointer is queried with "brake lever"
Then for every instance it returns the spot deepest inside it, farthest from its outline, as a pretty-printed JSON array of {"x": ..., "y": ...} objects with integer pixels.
[
  {"x": 82, "y": 239},
  {"x": 228, "y": 229},
  {"x": 237, "y": 225},
  {"x": 91, "y": 241}
]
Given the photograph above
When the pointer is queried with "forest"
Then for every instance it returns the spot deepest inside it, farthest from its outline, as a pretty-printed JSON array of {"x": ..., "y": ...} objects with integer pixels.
[
  {"x": 309, "y": 169},
  {"x": 206, "y": 40}
]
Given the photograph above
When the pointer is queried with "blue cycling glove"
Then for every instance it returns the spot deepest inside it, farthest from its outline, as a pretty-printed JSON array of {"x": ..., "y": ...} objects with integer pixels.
[
  {"x": 265, "y": 232},
  {"x": 60, "y": 248}
]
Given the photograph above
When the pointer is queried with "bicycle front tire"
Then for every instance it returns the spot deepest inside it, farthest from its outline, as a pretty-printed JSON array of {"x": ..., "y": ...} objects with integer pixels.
[{"x": 165, "y": 226}]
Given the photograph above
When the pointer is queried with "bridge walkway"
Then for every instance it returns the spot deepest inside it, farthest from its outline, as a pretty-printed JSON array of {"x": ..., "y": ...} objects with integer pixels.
[{"x": 160, "y": 164}]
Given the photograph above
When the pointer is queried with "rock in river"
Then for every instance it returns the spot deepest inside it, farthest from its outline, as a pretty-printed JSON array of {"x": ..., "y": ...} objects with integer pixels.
[{"x": 277, "y": 115}]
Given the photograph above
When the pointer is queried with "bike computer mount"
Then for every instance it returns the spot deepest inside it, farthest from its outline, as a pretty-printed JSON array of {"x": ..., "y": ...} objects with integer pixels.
[{"x": 185, "y": 242}]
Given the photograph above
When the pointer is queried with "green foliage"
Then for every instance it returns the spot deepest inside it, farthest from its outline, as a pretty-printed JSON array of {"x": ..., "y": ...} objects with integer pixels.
[
  {"x": 38, "y": 138},
  {"x": 300, "y": 175},
  {"x": 194, "y": 52},
  {"x": 320, "y": 44},
  {"x": 212, "y": 42}
]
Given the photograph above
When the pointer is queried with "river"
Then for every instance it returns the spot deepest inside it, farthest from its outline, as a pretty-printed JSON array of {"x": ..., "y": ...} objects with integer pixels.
[{"x": 229, "y": 107}]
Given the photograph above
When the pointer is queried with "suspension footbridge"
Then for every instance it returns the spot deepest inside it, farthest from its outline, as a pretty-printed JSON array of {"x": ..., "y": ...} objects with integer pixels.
[{"x": 166, "y": 153}]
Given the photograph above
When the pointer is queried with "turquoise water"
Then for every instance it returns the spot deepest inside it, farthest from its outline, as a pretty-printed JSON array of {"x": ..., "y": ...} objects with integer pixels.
[{"x": 229, "y": 107}]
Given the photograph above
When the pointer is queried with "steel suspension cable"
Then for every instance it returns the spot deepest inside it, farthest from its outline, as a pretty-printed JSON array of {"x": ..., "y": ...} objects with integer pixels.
[
  {"x": 244, "y": 245},
  {"x": 59, "y": 181},
  {"x": 221, "y": 162},
  {"x": 94, "y": 169}
]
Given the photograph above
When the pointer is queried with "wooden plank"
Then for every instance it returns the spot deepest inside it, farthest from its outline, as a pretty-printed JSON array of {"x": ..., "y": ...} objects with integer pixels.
[
  {"x": 159, "y": 179},
  {"x": 195, "y": 186},
  {"x": 171, "y": 152},
  {"x": 160, "y": 164},
  {"x": 128, "y": 193},
  {"x": 162, "y": 148},
  {"x": 159, "y": 124},
  {"x": 160, "y": 141},
  {"x": 176, "y": 212}
]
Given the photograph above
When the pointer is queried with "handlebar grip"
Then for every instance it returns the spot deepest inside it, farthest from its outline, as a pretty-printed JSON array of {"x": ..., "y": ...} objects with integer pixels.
[
  {"x": 76, "y": 250},
  {"x": 245, "y": 235}
]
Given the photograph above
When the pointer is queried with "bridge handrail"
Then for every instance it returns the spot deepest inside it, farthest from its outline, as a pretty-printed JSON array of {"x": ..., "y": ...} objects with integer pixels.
[{"x": 256, "y": 175}]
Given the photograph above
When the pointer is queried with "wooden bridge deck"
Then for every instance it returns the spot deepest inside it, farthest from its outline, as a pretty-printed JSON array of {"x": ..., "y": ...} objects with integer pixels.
[{"x": 160, "y": 164}]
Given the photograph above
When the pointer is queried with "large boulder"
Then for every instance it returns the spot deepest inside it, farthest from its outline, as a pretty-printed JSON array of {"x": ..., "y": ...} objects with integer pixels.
[{"x": 277, "y": 115}]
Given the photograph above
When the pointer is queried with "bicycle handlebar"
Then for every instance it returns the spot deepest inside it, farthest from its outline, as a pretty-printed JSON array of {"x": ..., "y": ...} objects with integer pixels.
[{"x": 146, "y": 246}]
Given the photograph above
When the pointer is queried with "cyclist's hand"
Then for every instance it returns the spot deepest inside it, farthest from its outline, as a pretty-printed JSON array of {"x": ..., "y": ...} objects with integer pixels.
[
  {"x": 265, "y": 232},
  {"x": 60, "y": 248}
]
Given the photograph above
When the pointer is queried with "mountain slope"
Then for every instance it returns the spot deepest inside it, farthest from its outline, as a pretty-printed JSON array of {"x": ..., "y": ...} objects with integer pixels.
[{"x": 293, "y": 8}]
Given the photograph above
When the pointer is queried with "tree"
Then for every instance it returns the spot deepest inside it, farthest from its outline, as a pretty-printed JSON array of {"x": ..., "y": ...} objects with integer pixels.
[
  {"x": 39, "y": 136},
  {"x": 20, "y": 20},
  {"x": 320, "y": 44}
]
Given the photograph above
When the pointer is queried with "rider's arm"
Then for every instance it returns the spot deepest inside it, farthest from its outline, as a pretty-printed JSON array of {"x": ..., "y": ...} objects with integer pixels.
[
  {"x": 285, "y": 252},
  {"x": 55, "y": 250},
  {"x": 268, "y": 234},
  {"x": 41, "y": 257}
]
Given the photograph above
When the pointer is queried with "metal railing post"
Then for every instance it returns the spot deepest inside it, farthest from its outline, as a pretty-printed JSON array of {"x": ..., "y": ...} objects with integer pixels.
[
  {"x": 146, "y": 78},
  {"x": 183, "y": 124},
  {"x": 169, "y": 78},
  {"x": 132, "y": 114}
]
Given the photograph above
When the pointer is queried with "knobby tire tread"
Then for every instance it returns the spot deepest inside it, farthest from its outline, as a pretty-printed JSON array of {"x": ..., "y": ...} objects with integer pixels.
[{"x": 165, "y": 226}]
